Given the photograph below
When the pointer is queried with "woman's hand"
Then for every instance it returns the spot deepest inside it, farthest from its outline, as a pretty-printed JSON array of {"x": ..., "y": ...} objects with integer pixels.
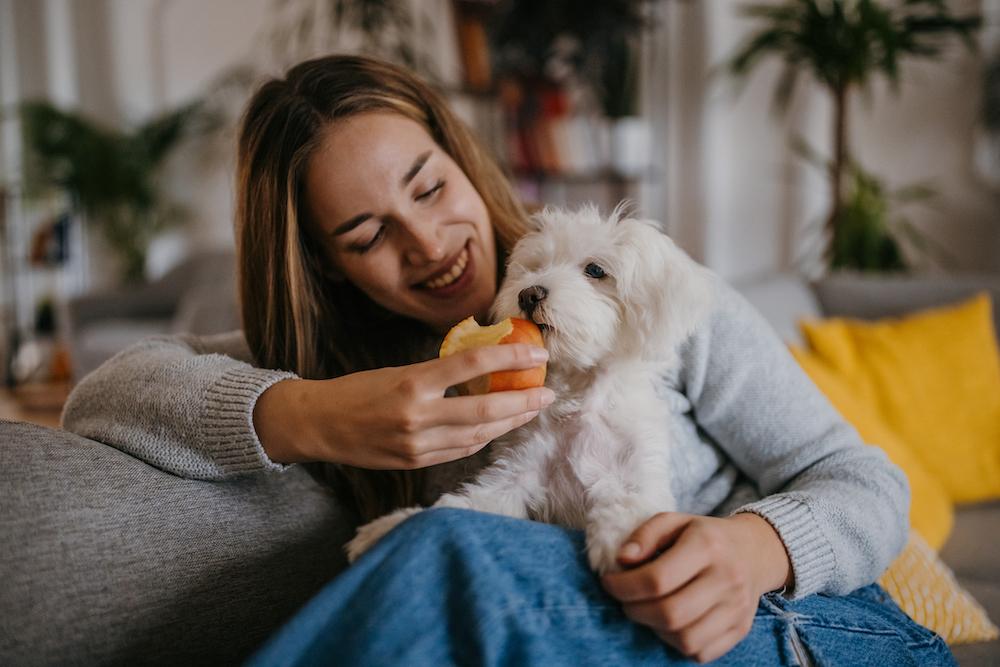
[
  {"x": 700, "y": 594},
  {"x": 398, "y": 418}
]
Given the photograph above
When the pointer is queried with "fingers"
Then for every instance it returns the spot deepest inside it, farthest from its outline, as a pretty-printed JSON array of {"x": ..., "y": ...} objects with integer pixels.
[
  {"x": 456, "y": 439},
  {"x": 680, "y": 610},
  {"x": 664, "y": 574},
  {"x": 721, "y": 645},
  {"x": 709, "y": 637},
  {"x": 478, "y": 410},
  {"x": 464, "y": 366},
  {"x": 654, "y": 535}
]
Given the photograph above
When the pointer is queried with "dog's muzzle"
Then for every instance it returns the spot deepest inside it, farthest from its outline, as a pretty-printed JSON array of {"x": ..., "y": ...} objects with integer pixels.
[{"x": 529, "y": 298}]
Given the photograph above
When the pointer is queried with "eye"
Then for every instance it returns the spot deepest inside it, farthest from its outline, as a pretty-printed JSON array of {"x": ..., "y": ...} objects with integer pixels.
[
  {"x": 362, "y": 249},
  {"x": 424, "y": 195},
  {"x": 594, "y": 271}
]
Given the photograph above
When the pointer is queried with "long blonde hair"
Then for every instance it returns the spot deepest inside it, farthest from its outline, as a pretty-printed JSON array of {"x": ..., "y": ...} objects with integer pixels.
[{"x": 294, "y": 316}]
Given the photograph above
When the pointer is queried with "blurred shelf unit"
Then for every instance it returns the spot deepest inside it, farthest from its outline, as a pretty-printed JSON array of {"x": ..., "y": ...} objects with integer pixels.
[
  {"x": 552, "y": 151},
  {"x": 42, "y": 264},
  {"x": 552, "y": 138}
]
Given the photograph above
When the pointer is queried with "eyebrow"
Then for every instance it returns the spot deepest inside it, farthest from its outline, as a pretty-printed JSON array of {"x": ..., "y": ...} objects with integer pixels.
[{"x": 414, "y": 169}]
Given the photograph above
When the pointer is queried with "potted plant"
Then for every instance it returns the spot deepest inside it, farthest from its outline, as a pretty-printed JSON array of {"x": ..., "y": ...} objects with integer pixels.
[
  {"x": 844, "y": 44},
  {"x": 384, "y": 29},
  {"x": 110, "y": 175}
]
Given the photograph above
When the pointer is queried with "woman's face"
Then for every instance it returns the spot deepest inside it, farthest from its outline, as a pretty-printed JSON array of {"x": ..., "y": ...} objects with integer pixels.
[{"x": 400, "y": 220}]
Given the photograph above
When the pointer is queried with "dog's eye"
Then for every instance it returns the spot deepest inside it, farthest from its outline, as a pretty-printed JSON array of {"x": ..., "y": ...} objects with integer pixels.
[{"x": 594, "y": 271}]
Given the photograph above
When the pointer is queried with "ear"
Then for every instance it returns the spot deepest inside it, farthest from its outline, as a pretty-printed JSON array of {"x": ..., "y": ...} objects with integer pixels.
[{"x": 665, "y": 294}]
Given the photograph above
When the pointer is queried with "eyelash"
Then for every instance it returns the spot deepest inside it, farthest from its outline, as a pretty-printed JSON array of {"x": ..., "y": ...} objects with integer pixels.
[
  {"x": 437, "y": 186},
  {"x": 362, "y": 249}
]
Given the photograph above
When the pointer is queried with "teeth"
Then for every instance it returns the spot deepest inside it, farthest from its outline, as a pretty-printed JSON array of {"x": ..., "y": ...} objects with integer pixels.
[{"x": 453, "y": 274}]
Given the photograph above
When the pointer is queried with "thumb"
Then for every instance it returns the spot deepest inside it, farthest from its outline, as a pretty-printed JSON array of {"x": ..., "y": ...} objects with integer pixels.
[{"x": 651, "y": 537}]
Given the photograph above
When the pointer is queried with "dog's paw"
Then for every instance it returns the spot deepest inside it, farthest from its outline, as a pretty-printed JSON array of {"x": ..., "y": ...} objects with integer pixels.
[
  {"x": 372, "y": 532},
  {"x": 602, "y": 551}
]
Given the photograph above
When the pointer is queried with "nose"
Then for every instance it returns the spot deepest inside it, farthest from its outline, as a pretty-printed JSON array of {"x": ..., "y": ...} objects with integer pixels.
[
  {"x": 425, "y": 247},
  {"x": 530, "y": 297}
]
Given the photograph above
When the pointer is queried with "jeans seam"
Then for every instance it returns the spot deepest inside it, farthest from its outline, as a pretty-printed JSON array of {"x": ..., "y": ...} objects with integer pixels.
[{"x": 910, "y": 643}]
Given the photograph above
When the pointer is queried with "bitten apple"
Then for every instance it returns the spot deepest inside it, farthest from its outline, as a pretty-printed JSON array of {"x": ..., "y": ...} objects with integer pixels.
[{"x": 468, "y": 334}]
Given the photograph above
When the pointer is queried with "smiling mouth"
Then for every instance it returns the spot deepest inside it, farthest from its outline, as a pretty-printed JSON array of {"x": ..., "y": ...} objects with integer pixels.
[{"x": 456, "y": 271}]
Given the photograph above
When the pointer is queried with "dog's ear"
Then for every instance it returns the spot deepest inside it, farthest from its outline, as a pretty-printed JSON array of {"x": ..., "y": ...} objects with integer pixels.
[{"x": 665, "y": 294}]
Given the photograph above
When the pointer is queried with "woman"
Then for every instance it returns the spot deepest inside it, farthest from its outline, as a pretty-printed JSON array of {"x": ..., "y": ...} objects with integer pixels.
[{"x": 369, "y": 221}]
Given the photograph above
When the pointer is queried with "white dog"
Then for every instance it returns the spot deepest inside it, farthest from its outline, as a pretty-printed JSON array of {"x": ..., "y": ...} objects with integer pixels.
[{"x": 615, "y": 298}]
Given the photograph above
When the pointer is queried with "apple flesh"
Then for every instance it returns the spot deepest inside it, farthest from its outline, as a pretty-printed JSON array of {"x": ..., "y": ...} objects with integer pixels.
[{"x": 468, "y": 334}]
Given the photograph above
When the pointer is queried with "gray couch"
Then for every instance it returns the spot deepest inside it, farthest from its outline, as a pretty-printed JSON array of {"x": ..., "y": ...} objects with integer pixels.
[
  {"x": 106, "y": 560},
  {"x": 197, "y": 296}
]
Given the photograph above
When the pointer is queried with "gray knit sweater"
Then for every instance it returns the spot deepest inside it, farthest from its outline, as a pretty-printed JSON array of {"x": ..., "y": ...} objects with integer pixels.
[{"x": 754, "y": 435}]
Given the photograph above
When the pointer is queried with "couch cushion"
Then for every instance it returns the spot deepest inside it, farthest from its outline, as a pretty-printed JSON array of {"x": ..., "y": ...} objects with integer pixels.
[
  {"x": 107, "y": 560},
  {"x": 934, "y": 376}
]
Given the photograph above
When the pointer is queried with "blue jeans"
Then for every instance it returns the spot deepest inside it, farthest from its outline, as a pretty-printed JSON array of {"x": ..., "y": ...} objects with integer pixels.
[{"x": 455, "y": 587}]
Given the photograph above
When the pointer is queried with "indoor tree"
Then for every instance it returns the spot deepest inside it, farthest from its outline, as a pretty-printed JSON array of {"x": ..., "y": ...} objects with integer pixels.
[
  {"x": 110, "y": 174},
  {"x": 844, "y": 45}
]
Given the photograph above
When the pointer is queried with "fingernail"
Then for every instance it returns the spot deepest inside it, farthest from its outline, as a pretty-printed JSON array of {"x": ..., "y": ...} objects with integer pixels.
[
  {"x": 630, "y": 550},
  {"x": 548, "y": 397},
  {"x": 539, "y": 354}
]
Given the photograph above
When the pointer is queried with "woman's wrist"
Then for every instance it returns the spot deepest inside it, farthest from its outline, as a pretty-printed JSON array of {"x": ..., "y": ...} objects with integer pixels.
[
  {"x": 770, "y": 562},
  {"x": 281, "y": 422}
]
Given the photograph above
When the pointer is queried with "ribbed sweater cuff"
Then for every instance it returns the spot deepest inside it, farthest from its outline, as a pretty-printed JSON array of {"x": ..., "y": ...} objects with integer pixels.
[
  {"x": 227, "y": 426},
  {"x": 812, "y": 558}
]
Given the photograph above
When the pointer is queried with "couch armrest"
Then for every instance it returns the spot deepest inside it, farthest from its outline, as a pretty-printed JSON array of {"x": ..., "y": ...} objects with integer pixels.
[
  {"x": 107, "y": 560},
  {"x": 144, "y": 302}
]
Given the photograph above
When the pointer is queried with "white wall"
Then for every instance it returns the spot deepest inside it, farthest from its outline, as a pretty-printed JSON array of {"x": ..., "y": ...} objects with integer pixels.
[
  {"x": 741, "y": 201},
  {"x": 732, "y": 193}
]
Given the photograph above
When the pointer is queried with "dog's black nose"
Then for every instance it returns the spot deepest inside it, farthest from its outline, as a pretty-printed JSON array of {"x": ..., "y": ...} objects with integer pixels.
[{"x": 530, "y": 297}]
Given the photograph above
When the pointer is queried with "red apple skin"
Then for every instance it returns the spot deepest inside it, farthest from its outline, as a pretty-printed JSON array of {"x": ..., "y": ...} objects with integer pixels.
[{"x": 525, "y": 331}]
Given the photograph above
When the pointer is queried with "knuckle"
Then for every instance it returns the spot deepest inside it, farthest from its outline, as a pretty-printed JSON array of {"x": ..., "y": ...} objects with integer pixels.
[
  {"x": 409, "y": 423},
  {"x": 686, "y": 643},
  {"x": 711, "y": 541},
  {"x": 657, "y": 583},
  {"x": 477, "y": 358},
  {"x": 410, "y": 450},
  {"x": 408, "y": 387},
  {"x": 482, "y": 434},
  {"x": 670, "y": 618},
  {"x": 485, "y": 412}
]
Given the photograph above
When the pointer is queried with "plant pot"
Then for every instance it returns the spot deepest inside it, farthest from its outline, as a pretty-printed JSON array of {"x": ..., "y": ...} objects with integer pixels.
[{"x": 631, "y": 149}]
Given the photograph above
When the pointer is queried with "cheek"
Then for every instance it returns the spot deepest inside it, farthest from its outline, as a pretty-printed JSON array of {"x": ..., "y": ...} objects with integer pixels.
[{"x": 466, "y": 203}]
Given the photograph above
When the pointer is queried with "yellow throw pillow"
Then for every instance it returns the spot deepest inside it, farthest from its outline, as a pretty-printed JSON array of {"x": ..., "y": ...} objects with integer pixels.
[
  {"x": 931, "y": 511},
  {"x": 934, "y": 378},
  {"x": 926, "y": 589}
]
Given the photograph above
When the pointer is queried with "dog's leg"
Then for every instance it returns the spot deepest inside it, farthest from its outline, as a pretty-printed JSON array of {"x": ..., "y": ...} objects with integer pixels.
[
  {"x": 372, "y": 532},
  {"x": 512, "y": 485},
  {"x": 624, "y": 491},
  {"x": 612, "y": 517}
]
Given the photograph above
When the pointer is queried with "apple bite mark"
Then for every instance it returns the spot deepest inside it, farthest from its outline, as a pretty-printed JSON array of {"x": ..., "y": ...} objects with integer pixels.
[{"x": 468, "y": 334}]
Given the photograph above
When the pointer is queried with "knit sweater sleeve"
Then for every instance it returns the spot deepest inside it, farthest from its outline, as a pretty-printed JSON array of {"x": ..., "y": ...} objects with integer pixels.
[
  {"x": 839, "y": 506},
  {"x": 181, "y": 403}
]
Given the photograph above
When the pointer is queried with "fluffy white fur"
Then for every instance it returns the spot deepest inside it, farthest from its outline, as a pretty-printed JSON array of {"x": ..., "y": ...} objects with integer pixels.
[{"x": 598, "y": 458}]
